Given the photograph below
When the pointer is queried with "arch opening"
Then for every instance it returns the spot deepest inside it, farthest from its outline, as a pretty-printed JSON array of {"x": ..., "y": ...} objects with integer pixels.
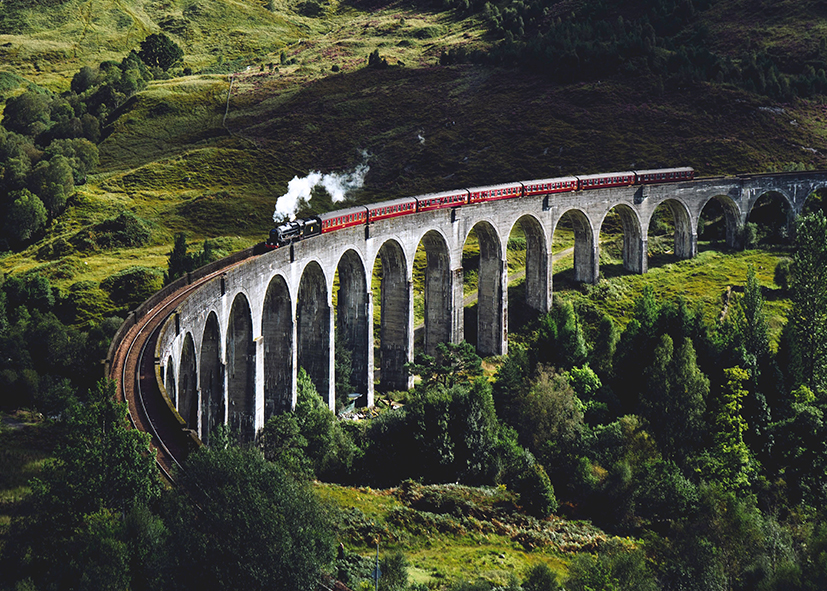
[
  {"x": 392, "y": 290},
  {"x": 622, "y": 249},
  {"x": 169, "y": 383},
  {"x": 770, "y": 221},
  {"x": 351, "y": 326},
  {"x": 241, "y": 370},
  {"x": 718, "y": 222},
  {"x": 574, "y": 243},
  {"x": 212, "y": 382},
  {"x": 816, "y": 201},
  {"x": 313, "y": 328},
  {"x": 432, "y": 293},
  {"x": 528, "y": 271},
  {"x": 277, "y": 333},
  {"x": 484, "y": 271},
  {"x": 670, "y": 236},
  {"x": 188, "y": 384}
]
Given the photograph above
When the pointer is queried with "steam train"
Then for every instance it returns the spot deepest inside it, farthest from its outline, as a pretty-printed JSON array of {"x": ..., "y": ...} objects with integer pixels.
[{"x": 288, "y": 232}]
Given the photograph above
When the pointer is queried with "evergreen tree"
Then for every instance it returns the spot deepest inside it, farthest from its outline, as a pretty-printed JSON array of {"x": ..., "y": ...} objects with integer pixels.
[
  {"x": 808, "y": 292},
  {"x": 675, "y": 398},
  {"x": 730, "y": 463},
  {"x": 177, "y": 264}
]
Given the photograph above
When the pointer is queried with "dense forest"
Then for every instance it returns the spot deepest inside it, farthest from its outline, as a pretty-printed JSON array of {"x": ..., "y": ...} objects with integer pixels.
[{"x": 701, "y": 442}]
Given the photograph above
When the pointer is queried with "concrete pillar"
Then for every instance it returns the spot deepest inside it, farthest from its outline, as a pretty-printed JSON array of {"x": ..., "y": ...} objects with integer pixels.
[
  {"x": 330, "y": 395},
  {"x": 586, "y": 250},
  {"x": 686, "y": 243},
  {"x": 643, "y": 252},
  {"x": 586, "y": 262},
  {"x": 225, "y": 398},
  {"x": 294, "y": 358},
  {"x": 258, "y": 346},
  {"x": 409, "y": 344},
  {"x": 369, "y": 365},
  {"x": 457, "y": 307},
  {"x": 492, "y": 299},
  {"x": 537, "y": 270},
  {"x": 199, "y": 409}
]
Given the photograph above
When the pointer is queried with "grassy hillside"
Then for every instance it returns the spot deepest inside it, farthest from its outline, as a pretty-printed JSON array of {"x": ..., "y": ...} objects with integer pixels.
[{"x": 172, "y": 158}]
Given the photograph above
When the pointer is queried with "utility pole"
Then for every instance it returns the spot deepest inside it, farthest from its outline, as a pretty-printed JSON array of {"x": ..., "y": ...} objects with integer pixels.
[{"x": 376, "y": 572}]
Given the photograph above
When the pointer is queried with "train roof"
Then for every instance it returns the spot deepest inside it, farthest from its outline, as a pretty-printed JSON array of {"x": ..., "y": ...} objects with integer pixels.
[
  {"x": 495, "y": 187},
  {"x": 439, "y": 194},
  {"x": 665, "y": 170},
  {"x": 602, "y": 175},
  {"x": 392, "y": 202},
  {"x": 557, "y": 179},
  {"x": 341, "y": 212}
]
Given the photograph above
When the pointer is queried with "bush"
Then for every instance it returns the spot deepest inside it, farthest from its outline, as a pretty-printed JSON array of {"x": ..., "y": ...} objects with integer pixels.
[
  {"x": 133, "y": 285},
  {"x": 536, "y": 492},
  {"x": 25, "y": 218},
  {"x": 125, "y": 230},
  {"x": 540, "y": 578},
  {"x": 160, "y": 51},
  {"x": 781, "y": 277}
]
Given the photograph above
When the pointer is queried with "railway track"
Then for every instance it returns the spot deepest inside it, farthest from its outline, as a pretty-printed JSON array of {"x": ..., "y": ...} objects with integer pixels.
[{"x": 133, "y": 369}]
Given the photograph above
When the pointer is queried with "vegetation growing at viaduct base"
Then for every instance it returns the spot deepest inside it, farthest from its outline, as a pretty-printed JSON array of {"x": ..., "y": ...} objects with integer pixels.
[{"x": 700, "y": 446}]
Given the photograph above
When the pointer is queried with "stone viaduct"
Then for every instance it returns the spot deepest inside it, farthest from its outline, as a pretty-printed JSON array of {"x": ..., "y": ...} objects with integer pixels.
[{"x": 230, "y": 353}]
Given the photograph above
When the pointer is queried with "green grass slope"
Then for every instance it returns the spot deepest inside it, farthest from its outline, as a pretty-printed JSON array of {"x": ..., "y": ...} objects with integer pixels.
[{"x": 209, "y": 154}]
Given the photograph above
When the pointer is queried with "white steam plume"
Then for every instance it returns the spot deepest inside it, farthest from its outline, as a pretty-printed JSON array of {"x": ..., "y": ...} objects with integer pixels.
[{"x": 336, "y": 184}]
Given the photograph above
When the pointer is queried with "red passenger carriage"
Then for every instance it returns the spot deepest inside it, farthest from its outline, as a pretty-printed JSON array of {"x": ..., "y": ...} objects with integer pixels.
[
  {"x": 665, "y": 175},
  {"x": 606, "y": 179},
  {"x": 391, "y": 209},
  {"x": 546, "y": 186},
  {"x": 494, "y": 192},
  {"x": 441, "y": 200},
  {"x": 343, "y": 218}
]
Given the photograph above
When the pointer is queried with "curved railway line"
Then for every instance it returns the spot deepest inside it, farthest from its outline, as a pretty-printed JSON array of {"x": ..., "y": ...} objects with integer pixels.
[{"x": 133, "y": 368}]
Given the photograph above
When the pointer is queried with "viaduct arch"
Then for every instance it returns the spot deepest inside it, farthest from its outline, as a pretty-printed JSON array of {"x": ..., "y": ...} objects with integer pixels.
[{"x": 231, "y": 351}]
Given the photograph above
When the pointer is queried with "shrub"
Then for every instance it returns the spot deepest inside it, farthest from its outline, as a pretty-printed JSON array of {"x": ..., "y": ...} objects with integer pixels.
[
  {"x": 781, "y": 277},
  {"x": 133, "y": 285},
  {"x": 25, "y": 218},
  {"x": 160, "y": 51},
  {"x": 750, "y": 233},
  {"x": 540, "y": 578},
  {"x": 536, "y": 492},
  {"x": 125, "y": 230}
]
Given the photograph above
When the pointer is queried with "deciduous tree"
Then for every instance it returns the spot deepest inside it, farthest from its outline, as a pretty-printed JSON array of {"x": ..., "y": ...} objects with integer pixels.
[
  {"x": 160, "y": 51},
  {"x": 237, "y": 521}
]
